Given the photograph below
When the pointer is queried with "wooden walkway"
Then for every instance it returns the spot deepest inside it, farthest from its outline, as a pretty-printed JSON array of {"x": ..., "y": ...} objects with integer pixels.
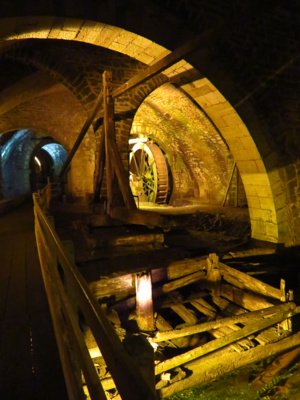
[{"x": 29, "y": 362}]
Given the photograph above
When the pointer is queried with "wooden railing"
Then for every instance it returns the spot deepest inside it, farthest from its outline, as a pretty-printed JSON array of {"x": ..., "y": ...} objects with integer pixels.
[{"x": 69, "y": 296}]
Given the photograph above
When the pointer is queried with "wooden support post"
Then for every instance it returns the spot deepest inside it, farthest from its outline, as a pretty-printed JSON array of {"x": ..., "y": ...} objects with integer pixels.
[
  {"x": 236, "y": 203},
  {"x": 99, "y": 166},
  {"x": 286, "y": 325},
  {"x": 229, "y": 183},
  {"x": 213, "y": 273},
  {"x": 82, "y": 134},
  {"x": 144, "y": 302},
  {"x": 108, "y": 126},
  {"x": 114, "y": 165}
]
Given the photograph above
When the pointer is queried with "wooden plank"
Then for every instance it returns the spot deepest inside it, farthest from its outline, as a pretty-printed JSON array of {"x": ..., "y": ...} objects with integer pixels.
[
  {"x": 267, "y": 336},
  {"x": 231, "y": 309},
  {"x": 180, "y": 282},
  {"x": 244, "y": 299},
  {"x": 184, "y": 313},
  {"x": 114, "y": 284},
  {"x": 236, "y": 319},
  {"x": 218, "y": 343},
  {"x": 136, "y": 217},
  {"x": 204, "y": 307},
  {"x": 255, "y": 252},
  {"x": 163, "y": 289},
  {"x": 244, "y": 281}
]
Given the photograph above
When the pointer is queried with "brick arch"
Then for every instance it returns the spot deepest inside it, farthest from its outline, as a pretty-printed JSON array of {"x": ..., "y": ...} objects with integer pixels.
[{"x": 262, "y": 188}]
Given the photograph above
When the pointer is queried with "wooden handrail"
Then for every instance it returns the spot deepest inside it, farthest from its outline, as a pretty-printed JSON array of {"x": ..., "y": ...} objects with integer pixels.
[{"x": 128, "y": 379}]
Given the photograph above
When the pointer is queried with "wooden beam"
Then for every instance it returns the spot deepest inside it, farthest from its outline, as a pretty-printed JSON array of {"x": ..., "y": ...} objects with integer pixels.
[
  {"x": 120, "y": 116},
  {"x": 114, "y": 164},
  {"x": 82, "y": 134},
  {"x": 244, "y": 281},
  {"x": 164, "y": 63},
  {"x": 229, "y": 183},
  {"x": 109, "y": 131},
  {"x": 243, "y": 298},
  {"x": 136, "y": 216},
  {"x": 99, "y": 166},
  {"x": 166, "y": 288},
  {"x": 236, "y": 319},
  {"x": 219, "y": 343}
]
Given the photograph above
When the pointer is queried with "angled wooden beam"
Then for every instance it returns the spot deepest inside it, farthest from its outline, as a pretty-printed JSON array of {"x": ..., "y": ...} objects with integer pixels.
[
  {"x": 164, "y": 63},
  {"x": 82, "y": 134},
  {"x": 121, "y": 116}
]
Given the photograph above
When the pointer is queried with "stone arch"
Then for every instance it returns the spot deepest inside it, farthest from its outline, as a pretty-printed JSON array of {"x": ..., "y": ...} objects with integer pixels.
[{"x": 262, "y": 187}]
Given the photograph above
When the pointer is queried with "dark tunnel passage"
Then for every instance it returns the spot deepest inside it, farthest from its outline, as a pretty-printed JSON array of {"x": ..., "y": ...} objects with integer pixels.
[{"x": 28, "y": 161}]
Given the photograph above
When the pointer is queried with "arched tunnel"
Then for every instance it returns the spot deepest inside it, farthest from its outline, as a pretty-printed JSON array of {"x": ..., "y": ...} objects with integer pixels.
[{"x": 164, "y": 132}]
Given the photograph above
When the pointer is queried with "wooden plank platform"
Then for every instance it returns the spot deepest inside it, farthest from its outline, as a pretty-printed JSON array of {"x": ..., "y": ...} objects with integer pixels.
[{"x": 29, "y": 362}]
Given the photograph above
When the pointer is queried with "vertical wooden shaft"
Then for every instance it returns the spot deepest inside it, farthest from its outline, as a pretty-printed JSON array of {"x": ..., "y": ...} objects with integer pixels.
[
  {"x": 81, "y": 135},
  {"x": 114, "y": 164},
  {"x": 229, "y": 183},
  {"x": 99, "y": 168},
  {"x": 108, "y": 126},
  {"x": 236, "y": 203},
  {"x": 144, "y": 302}
]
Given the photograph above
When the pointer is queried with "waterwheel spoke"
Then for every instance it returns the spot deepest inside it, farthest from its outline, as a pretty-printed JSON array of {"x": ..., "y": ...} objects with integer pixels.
[
  {"x": 151, "y": 182},
  {"x": 137, "y": 166}
]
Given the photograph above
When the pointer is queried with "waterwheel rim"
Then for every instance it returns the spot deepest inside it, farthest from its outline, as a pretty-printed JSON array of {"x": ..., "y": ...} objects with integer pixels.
[{"x": 148, "y": 173}]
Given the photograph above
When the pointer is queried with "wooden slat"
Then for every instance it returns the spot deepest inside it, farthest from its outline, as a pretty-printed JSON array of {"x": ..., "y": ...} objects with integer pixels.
[
  {"x": 244, "y": 281},
  {"x": 236, "y": 319},
  {"x": 218, "y": 343},
  {"x": 244, "y": 299},
  {"x": 136, "y": 217}
]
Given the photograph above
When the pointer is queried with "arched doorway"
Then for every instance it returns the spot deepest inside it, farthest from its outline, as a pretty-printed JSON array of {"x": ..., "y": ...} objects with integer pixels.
[{"x": 27, "y": 161}]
